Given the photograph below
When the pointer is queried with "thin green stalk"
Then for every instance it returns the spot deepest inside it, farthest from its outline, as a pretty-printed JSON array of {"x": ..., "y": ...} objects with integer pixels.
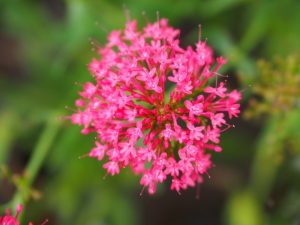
[
  {"x": 269, "y": 157},
  {"x": 39, "y": 154},
  {"x": 7, "y": 134},
  {"x": 267, "y": 161}
]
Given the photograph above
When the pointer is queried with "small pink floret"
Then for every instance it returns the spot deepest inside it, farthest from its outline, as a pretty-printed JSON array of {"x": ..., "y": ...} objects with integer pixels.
[{"x": 8, "y": 219}]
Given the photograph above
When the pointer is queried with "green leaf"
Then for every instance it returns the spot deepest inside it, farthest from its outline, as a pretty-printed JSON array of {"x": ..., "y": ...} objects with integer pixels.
[{"x": 243, "y": 209}]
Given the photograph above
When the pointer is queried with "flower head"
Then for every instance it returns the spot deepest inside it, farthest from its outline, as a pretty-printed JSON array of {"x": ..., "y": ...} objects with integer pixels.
[{"x": 151, "y": 103}]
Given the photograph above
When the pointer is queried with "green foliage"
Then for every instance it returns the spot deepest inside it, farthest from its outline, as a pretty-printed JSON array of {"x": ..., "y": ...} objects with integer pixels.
[
  {"x": 249, "y": 214},
  {"x": 277, "y": 86},
  {"x": 44, "y": 49}
]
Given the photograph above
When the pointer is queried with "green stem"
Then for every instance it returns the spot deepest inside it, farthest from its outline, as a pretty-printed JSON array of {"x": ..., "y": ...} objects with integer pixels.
[
  {"x": 269, "y": 157},
  {"x": 38, "y": 156},
  {"x": 249, "y": 202},
  {"x": 7, "y": 133}
]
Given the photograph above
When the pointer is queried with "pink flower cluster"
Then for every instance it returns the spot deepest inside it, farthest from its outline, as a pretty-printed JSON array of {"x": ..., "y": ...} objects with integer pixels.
[
  {"x": 8, "y": 219},
  {"x": 154, "y": 107}
]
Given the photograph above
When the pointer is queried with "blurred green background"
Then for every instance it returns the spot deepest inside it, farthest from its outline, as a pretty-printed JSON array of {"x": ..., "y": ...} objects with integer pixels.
[{"x": 44, "y": 49}]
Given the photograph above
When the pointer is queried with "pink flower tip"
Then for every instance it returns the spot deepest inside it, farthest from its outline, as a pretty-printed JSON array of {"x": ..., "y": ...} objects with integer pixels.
[{"x": 8, "y": 219}]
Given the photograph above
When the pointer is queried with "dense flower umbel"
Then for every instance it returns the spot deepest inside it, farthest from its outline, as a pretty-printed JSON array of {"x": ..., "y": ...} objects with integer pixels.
[
  {"x": 8, "y": 219},
  {"x": 152, "y": 108}
]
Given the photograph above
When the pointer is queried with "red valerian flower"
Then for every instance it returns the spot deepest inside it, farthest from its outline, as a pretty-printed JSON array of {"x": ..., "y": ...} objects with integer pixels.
[{"x": 152, "y": 106}]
